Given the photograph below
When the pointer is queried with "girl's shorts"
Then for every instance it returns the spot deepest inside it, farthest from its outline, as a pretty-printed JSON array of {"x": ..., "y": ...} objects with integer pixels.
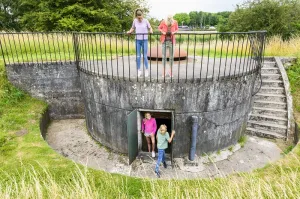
[{"x": 147, "y": 134}]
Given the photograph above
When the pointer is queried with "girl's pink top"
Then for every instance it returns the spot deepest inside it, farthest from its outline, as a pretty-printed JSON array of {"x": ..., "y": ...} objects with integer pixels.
[{"x": 149, "y": 126}]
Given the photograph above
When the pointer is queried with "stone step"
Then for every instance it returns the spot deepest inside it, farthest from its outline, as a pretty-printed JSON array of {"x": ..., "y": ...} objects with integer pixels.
[
  {"x": 269, "y": 119},
  {"x": 262, "y": 125},
  {"x": 271, "y": 76},
  {"x": 269, "y": 63},
  {"x": 269, "y": 70},
  {"x": 270, "y": 97},
  {"x": 269, "y": 111},
  {"x": 270, "y": 104},
  {"x": 274, "y": 90},
  {"x": 272, "y": 83},
  {"x": 263, "y": 133}
]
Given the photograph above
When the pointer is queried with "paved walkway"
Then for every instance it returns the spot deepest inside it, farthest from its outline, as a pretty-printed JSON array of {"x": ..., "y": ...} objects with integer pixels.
[{"x": 70, "y": 139}]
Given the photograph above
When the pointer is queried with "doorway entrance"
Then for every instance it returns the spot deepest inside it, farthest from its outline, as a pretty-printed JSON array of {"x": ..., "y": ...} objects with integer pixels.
[
  {"x": 136, "y": 140},
  {"x": 161, "y": 118}
]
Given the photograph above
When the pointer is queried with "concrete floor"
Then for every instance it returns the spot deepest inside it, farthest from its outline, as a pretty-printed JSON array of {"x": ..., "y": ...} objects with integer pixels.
[
  {"x": 193, "y": 68},
  {"x": 70, "y": 139}
]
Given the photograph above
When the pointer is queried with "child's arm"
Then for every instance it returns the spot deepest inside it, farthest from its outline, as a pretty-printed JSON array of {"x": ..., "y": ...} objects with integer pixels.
[
  {"x": 172, "y": 136},
  {"x": 176, "y": 28},
  {"x": 132, "y": 28},
  {"x": 160, "y": 28},
  {"x": 154, "y": 125}
]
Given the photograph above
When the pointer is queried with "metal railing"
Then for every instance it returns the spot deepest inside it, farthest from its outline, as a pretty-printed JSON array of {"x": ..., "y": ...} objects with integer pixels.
[{"x": 198, "y": 57}]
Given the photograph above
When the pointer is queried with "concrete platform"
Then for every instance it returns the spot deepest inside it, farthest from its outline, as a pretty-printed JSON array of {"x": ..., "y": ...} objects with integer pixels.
[
  {"x": 70, "y": 139},
  {"x": 193, "y": 68}
]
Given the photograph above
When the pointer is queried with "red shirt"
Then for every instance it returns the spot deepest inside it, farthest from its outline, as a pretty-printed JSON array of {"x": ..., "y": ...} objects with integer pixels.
[{"x": 164, "y": 28}]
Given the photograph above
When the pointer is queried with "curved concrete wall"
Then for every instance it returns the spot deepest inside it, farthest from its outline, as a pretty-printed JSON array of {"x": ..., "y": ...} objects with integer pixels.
[
  {"x": 56, "y": 83},
  {"x": 222, "y": 107}
]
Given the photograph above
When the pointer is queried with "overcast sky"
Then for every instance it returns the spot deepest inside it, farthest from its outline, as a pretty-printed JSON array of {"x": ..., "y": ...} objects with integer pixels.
[{"x": 161, "y": 8}]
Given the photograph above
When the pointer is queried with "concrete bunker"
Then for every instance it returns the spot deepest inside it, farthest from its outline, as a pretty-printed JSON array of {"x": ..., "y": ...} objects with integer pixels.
[{"x": 216, "y": 89}]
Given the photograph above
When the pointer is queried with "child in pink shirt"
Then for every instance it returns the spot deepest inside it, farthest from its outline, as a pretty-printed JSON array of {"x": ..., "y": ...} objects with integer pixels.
[{"x": 149, "y": 128}]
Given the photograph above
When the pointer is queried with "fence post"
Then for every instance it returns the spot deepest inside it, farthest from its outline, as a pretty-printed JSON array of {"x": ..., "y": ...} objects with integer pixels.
[
  {"x": 76, "y": 49},
  {"x": 2, "y": 52}
]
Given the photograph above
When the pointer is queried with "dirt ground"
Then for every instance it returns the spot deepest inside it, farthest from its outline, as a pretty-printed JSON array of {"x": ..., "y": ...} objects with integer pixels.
[{"x": 70, "y": 139}]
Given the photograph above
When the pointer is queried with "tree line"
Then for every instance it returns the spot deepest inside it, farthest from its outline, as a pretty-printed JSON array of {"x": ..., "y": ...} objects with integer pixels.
[
  {"x": 202, "y": 20},
  {"x": 276, "y": 16}
]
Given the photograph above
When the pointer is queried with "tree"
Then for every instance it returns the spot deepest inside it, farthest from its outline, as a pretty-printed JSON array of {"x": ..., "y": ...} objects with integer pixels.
[
  {"x": 276, "y": 16},
  {"x": 8, "y": 15},
  {"x": 194, "y": 18},
  {"x": 182, "y": 18},
  {"x": 70, "y": 15}
]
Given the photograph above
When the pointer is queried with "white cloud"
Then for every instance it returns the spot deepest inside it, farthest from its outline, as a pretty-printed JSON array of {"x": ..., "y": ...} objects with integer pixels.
[{"x": 161, "y": 8}]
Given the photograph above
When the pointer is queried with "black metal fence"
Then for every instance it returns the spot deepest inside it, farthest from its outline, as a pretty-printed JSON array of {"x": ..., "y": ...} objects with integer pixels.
[{"x": 198, "y": 57}]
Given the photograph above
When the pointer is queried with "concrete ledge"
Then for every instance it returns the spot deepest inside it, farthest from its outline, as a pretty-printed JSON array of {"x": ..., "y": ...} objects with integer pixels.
[{"x": 289, "y": 100}]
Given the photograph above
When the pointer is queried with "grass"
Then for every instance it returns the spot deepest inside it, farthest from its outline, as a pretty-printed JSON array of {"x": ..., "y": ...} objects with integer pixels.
[
  {"x": 29, "y": 168},
  {"x": 242, "y": 141},
  {"x": 59, "y": 46}
]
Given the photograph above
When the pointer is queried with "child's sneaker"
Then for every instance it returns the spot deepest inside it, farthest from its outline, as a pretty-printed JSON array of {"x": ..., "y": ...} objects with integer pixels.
[
  {"x": 157, "y": 174},
  {"x": 153, "y": 154},
  {"x": 165, "y": 164},
  {"x": 139, "y": 73},
  {"x": 146, "y": 73}
]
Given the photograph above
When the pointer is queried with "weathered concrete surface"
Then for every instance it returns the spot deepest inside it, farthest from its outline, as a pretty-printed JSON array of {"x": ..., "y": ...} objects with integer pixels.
[
  {"x": 69, "y": 138},
  {"x": 289, "y": 100},
  {"x": 56, "y": 83},
  {"x": 192, "y": 69},
  {"x": 222, "y": 107}
]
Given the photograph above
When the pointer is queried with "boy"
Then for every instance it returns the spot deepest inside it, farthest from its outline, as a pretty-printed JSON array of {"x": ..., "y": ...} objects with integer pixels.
[{"x": 163, "y": 138}]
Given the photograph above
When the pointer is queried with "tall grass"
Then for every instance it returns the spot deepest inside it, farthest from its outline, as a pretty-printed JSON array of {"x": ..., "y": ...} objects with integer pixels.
[
  {"x": 275, "y": 46},
  {"x": 42, "y": 47},
  {"x": 276, "y": 181}
]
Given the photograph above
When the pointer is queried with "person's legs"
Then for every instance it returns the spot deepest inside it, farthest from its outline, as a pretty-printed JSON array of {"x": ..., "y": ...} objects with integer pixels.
[
  {"x": 145, "y": 52},
  {"x": 164, "y": 159},
  {"x": 164, "y": 56},
  {"x": 171, "y": 57},
  {"x": 149, "y": 143},
  {"x": 153, "y": 144},
  {"x": 138, "y": 53},
  {"x": 159, "y": 160}
]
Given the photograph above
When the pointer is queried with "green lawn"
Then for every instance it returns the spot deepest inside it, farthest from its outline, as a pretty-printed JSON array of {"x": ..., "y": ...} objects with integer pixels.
[{"x": 29, "y": 168}]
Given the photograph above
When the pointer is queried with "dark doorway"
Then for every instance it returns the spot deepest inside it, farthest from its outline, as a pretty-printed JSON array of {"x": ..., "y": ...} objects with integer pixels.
[{"x": 161, "y": 118}]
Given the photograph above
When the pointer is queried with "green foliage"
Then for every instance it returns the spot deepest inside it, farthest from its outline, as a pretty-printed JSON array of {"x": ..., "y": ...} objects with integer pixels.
[
  {"x": 242, "y": 140},
  {"x": 276, "y": 16},
  {"x": 77, "y": 15},
  {"x": 288, "y": 149},
  {"x": 293, "y": 73},
  {"x": 182, "y": 18}
]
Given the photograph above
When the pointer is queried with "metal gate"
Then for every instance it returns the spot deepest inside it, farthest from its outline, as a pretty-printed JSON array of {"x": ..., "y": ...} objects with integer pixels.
[{"x": 132, "y": 135}]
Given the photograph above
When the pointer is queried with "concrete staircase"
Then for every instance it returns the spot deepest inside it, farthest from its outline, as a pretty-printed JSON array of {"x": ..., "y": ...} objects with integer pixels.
[{"x": 269, "y": 117}]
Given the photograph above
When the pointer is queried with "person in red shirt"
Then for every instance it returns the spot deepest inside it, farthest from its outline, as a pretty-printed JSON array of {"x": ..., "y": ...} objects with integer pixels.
[{"x": 168, "y": 28}]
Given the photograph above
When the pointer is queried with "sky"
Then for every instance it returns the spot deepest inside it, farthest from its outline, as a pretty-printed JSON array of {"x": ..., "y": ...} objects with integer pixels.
[{"x": 161, "y": 8}]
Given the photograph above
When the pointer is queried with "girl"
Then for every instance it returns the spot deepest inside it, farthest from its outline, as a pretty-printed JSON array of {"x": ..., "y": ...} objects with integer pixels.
[
  {"x": 168, "y": 28},
  {"x": 163, "y": 138},
  {"x": 149, "y": 129},
  {"x": 141, "y": 27}
]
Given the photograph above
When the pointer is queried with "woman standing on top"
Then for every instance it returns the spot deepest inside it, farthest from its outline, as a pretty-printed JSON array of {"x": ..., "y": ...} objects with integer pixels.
[
  {"x": 168, "y": 28},
  {"x": 141, "y": 27}
]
